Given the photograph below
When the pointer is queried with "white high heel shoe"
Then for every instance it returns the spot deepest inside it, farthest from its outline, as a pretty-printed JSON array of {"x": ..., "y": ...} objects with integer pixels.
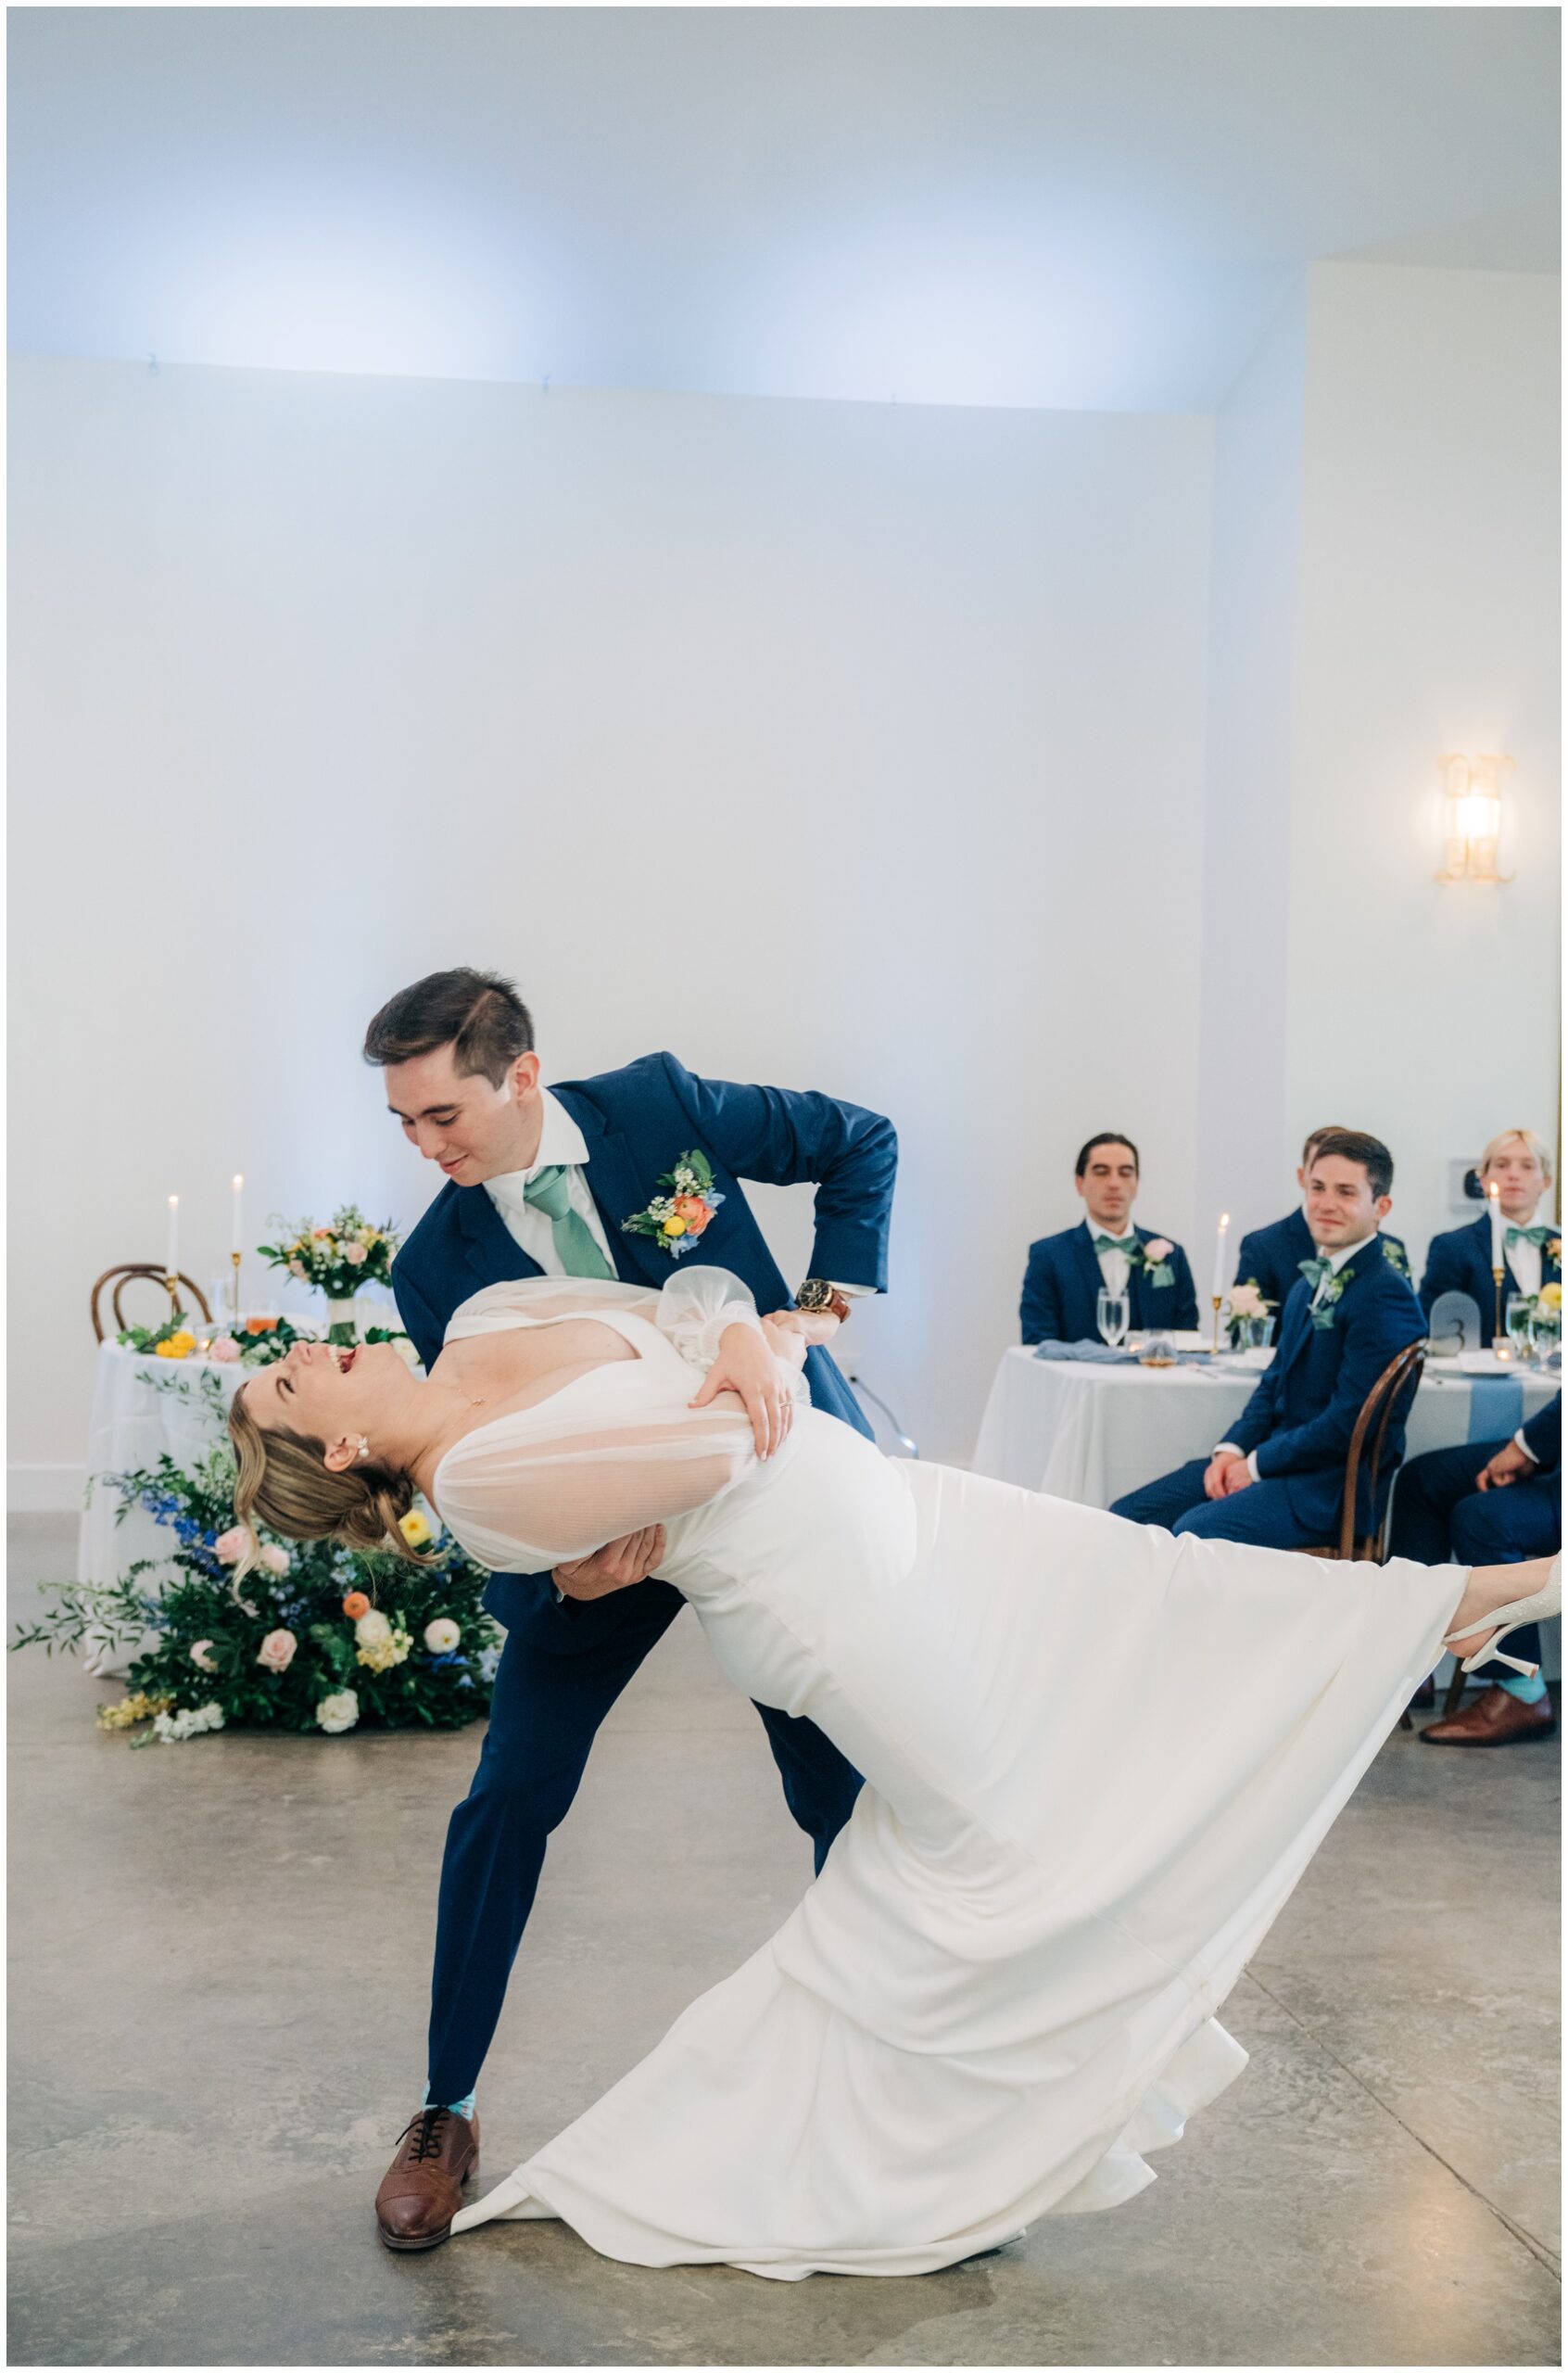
[{"x": 1546, "y": 1601}]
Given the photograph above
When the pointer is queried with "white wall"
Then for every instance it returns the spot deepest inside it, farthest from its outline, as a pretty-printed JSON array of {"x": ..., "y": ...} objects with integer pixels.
[
  {"x": 847, "y": 746},
  {"x": 1428, "y": 620}
]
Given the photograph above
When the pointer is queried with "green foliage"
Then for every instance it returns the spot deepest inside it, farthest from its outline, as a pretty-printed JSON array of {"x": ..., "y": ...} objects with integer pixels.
[{"x": 190, "y": 1598}]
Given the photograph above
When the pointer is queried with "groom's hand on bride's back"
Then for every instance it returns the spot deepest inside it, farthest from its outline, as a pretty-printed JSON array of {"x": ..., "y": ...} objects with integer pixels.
[{"x": 615, "y": 1567}]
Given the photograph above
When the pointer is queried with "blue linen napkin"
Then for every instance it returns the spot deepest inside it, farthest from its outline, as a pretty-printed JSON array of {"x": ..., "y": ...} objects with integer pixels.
[
  {"x": 1497, "y": 1408},
  {"x": 1101, "y": 1354}
]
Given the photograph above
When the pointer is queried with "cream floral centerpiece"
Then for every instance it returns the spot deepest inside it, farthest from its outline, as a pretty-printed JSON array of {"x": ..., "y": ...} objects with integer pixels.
[{"x": 349, "y": 1253}]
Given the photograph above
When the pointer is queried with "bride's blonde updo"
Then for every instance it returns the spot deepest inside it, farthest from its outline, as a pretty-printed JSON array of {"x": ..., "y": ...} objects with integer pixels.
[{"x": 284, "y": 1483}]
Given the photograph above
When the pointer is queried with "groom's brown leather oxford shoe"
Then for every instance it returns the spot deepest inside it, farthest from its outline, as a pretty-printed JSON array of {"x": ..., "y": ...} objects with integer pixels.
[
  {"x": 1497, "y": 1718},
  {"x": 422, "y": 2191}
]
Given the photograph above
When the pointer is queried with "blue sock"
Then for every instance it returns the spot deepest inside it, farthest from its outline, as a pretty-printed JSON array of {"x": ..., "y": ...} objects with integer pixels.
[
  {"x": 1529, "y": 1692},
  {"x": 460, "y": 2109}
]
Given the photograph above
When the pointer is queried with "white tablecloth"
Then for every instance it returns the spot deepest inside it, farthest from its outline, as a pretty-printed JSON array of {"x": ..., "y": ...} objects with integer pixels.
[{"x": 1090, "y": 1434}]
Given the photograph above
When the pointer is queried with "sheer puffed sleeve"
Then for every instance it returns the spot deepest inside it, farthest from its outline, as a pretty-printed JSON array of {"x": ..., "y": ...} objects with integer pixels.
[{"x": 696, "y": 1307}]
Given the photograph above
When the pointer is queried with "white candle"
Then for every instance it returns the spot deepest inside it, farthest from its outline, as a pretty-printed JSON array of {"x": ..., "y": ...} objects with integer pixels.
[
  {"x": 173, "y": 1268},
  {"x": 1220, "y": 1257},
  {"x": 239, "y": 1185},
  {"x": 1494, "y": 1204}
]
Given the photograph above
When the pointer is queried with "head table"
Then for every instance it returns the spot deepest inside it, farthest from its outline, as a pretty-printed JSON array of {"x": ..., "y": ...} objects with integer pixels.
[{"x": 1091, "y": 1433}]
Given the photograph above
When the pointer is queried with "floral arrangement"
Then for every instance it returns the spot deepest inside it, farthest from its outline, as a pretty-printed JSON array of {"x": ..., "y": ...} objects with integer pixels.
[
  {"x": 260, "y": 1342},
  {"x": 338, "y": 1258},
  {"x": 314, "y": 1638},
  {"x": 1248, "y": 1303},
  {"x": 681, "y": 1210},
  {"x": 1550, "y": 1296},
  {"x": 1395, "y": 1256}
]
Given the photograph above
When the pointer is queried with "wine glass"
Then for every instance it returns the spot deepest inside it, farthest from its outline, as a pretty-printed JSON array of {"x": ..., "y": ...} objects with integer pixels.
[
  {"x": 1546, "y": 1333},
  {"x": 1516, "y": 1319},
  {"x": 1111, "y": 1313}
]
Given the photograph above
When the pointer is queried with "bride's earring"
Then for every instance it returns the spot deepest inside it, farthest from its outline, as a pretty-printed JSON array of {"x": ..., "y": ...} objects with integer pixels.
[{"x": 363, "y": 1446}]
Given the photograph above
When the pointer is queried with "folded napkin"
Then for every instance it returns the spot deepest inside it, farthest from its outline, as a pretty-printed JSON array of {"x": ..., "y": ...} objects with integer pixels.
[
  {"x": 1101, "y": 1354},
  {"x": 1497, "y": 1408}
]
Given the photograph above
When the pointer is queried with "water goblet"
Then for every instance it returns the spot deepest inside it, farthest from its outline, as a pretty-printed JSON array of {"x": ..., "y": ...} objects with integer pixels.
[
  {"x": 1111, "y": 1314},
  {"x": 1516, "y": 1321}
]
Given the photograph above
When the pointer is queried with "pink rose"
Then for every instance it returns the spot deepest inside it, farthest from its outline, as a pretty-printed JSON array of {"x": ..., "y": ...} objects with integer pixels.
[
  {"x": 275, "y": 1560},
  {"x": 276, "y": 1651},
  {"x": 354, "y": 1254},
  {"x": 200, "y": 1656},
  {"x": 223, "y": 1348},
  {"x": 230, "y": 1547},
  {"x": 1157, "y": 1247}
]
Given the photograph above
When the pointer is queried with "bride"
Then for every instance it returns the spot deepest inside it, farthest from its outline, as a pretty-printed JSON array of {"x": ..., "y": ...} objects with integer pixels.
[{"x": 999, "y": 1994}]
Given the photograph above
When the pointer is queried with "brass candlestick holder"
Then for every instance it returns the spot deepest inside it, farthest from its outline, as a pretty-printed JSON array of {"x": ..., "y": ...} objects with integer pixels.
[
  {"x": 234, "y": 1257},
  {"x": 1217, "y": 1300},
  {"x": 171, "y": 1288},
  {"x": 1499, "y": 1342}
]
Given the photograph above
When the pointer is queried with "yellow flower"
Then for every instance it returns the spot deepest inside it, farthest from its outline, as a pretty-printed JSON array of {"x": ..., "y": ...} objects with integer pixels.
[
  {"x": 130, "y": 1711},
  {"x": 177, "y": 1347},
  {"x": 414, "y": 1529},
  {"x": 380, "y": 1655},
  {"x": 674, "y": 1224},
  {"x": 1551, "y": 1295}
]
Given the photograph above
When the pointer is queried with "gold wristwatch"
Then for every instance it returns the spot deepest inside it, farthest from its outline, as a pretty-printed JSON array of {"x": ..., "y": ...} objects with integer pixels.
[{"x": 816, "y": 1293}]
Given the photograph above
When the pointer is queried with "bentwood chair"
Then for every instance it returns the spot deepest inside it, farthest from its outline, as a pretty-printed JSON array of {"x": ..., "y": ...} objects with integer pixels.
[{"x": 127, "y": 1272}]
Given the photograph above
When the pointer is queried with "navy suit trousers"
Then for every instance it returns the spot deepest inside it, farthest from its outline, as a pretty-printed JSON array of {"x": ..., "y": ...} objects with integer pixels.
[
  {"x": 1438, "y": 1514},
  {"x": 1261, "y": 1514},
  {"x": 544, "y": 1713}
]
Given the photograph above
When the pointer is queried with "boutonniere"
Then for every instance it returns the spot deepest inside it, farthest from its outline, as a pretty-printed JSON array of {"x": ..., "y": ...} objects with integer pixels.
[
  {"x": 681, "y": 1210},
  {"x": 1334, "y": 1285},
  {"x": 1554, "y": 1251},
  {"x": 1395, "y": 1256},
  {"x": 1155, "y": 1260}
]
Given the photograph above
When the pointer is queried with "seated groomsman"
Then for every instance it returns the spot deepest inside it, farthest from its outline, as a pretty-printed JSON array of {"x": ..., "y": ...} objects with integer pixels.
[
  {"x": 1279, "y": 1478},
  {"x": 1066, "y": 1272},
  {"x": 1460, "y": 1260},
  {"x": 1489, "y": 1504},
  {"x": 1272, "y": 1257}
]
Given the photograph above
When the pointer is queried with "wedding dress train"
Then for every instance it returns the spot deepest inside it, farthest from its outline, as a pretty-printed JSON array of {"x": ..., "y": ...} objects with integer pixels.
[{"x": 999, "y": 1995}]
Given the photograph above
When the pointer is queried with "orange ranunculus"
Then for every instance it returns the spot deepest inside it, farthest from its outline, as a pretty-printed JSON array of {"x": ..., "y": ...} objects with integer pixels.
[
  {"x": 699, "y": 1220},
  {"x": 356, "y": 1604},
  {"x": 692, "y": 1209},
  {"x": 259, "y": 1325}
]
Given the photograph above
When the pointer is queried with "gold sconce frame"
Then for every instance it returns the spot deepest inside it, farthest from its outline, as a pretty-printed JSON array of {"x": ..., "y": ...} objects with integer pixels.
[{"x": 1471, "y": 815}]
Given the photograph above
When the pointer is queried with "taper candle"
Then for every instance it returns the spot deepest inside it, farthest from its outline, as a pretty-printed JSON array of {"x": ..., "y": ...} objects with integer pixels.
[
  {"x": 1494, "y": 1204},
  {"x": 173, "y": 1266},
  {"x": 239, "y": 1187},
  {"x": 1220, "y": 1256}
]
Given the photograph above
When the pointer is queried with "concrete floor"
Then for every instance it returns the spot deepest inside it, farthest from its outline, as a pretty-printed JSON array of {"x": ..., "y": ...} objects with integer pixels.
[{"x": 219, "y": 1965}]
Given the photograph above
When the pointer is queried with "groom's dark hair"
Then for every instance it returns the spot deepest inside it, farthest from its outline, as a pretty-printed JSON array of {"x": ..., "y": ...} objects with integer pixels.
[{"x": 478, "y": 1015}]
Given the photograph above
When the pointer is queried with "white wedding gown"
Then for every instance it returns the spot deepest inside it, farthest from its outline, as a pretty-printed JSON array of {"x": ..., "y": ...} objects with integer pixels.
[{"x": 1097, "y": 1759}]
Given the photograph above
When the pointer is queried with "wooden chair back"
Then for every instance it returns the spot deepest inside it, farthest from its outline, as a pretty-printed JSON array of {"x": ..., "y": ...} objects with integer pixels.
[
  {"x": 1394, "y": 1391},
  {"x": 125, "y": 1274}
]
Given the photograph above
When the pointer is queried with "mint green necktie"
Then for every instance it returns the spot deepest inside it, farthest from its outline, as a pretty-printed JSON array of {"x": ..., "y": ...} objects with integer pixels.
[
  {"x": 1115, "y": 1243},
  {"x": 1536, "y": 1236},
  {"x": 574, "y": 1239}
]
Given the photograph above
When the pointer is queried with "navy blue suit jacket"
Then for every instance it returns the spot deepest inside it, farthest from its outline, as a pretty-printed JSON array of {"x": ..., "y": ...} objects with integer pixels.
[
  {"x": 1271, "y": 1257},
  {"x": 1301, "y": 1419},
  {"x": 1543, "y": 1435},
  {"x": 1062, "y": 1285},
  {"x": 637, "y": 1124},
  {"x": 1459, "y": 1261}
]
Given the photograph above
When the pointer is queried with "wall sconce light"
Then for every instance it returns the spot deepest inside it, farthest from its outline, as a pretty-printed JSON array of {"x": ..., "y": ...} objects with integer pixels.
[{"x": 1471, "y": 816}]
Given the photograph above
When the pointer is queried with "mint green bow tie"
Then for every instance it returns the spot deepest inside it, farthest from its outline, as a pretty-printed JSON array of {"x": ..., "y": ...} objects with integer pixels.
[
  {"x": 1117, "y": 1243},
  {"x": 574, "y": 1239},
  {"x": 1316, "y": 1271},
  {"x": 1528, "y": 1234}
]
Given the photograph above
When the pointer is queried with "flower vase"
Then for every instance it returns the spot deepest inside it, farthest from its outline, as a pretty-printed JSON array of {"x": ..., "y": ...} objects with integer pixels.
[{"x": 340, "y": 1322}]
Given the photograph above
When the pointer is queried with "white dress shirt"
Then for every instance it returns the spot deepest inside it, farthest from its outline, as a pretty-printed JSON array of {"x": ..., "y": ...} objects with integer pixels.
[
  {"x": 561, "y": 1141},
  {"x": 1336, "y": 1262},
  {"x": 1523, "y": 1259},
  {"x": 1114, "y": 1267}
]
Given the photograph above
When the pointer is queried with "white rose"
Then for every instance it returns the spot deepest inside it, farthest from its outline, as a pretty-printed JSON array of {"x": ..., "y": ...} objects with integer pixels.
[
  {"x": 373, "y": 1630},
  {"x": 338, "y": 1712},
  {"x": 442, "y": 1635}
]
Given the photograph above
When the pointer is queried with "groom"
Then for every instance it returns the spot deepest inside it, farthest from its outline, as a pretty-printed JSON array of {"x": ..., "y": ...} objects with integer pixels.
[{"x": 541, "y": 1182}]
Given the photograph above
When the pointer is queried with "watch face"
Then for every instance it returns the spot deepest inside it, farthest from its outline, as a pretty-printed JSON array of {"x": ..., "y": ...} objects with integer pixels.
[{"x": 815, "y": 1294}]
